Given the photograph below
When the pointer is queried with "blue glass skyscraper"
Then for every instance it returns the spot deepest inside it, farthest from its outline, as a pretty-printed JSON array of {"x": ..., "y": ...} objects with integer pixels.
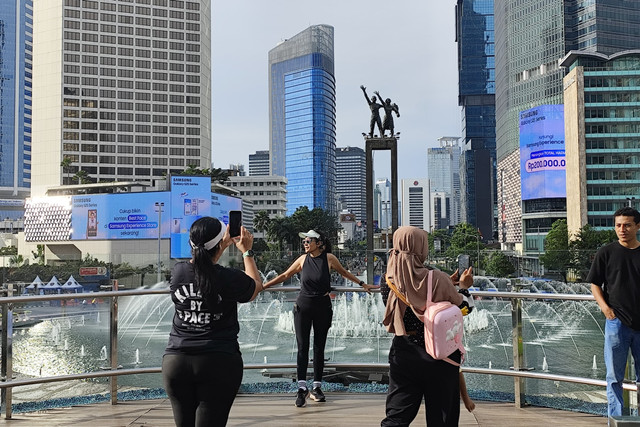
[
  {"x": 476, "y": 75},
  {"x": 16, "y": 41},
  {"x": 303, "y": 117}
]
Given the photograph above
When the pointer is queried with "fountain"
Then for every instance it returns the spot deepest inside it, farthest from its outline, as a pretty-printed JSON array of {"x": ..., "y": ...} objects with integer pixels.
[{"x": 551, "y": 330}]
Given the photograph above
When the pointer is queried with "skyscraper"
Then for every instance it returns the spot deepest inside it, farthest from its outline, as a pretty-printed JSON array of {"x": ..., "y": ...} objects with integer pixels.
[
  {"x": 443, "y": 170},
  {"x": 530, "y": 39},
  {"x": 259, "y": 163},
  {"x": 415, "y": 203},
  {"x": 16, "y": 41},
  {"x": 122, "y": 90},
  {"x": 476, "y": 88},
  {"x": 351, "y": 180},
  {"x": 302, "y": 116}
]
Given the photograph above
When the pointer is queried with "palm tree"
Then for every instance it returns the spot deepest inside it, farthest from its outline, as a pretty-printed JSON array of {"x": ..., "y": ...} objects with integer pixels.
[{"x": 66, "y": 164}]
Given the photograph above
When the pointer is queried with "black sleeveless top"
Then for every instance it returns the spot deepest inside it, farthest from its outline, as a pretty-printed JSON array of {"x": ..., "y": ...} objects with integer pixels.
[{"x": 315, "y": 279}]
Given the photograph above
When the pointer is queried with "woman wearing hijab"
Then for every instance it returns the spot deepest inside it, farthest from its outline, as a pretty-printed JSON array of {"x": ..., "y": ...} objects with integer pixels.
[
  {"x": 313, "y": 307},
  {"x": 413, "y": 374},
  {"x": 202, "y": 364}
]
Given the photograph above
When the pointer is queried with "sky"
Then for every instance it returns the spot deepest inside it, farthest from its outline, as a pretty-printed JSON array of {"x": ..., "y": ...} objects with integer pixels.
[{"x": 404, "y": 49}]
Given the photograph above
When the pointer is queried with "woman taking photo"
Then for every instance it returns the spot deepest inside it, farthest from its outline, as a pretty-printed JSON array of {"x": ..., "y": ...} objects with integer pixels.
[
  {"x": 313, "y": 307},
  {"x": 413, "y": 373},
  {"x": 202, "y": 364}
]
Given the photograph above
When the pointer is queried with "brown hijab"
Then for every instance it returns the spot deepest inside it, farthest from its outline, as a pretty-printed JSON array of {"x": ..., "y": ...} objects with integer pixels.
[{"x": 407, "y": 273}]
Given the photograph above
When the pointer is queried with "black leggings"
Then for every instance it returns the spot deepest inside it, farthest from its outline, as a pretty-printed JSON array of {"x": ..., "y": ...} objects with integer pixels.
[
  {"x": 414, "y": 375},
  {"x": 308, "y": 312},
  {"x": 201, "y": 387}
]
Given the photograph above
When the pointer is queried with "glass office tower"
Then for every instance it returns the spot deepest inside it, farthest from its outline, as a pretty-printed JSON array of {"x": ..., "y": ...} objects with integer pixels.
[
  {"x": 531, "y": 37},
  {"x": 476, "y": 88},
  {"x": 302, "y": 114},
  {"x": 16, "y": 42}
]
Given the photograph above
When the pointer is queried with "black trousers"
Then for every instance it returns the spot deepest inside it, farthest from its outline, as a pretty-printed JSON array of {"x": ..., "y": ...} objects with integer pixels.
[
  {"x": 311, "y": 312},
  {"x": 414, "y": 375},
  {"x": 201, "y": 387}
]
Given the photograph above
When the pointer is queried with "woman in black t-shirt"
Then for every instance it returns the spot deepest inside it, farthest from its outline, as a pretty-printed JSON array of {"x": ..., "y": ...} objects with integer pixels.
[
  {"x": 202, "y": 364},
  {"x": 313, "y": 307}
]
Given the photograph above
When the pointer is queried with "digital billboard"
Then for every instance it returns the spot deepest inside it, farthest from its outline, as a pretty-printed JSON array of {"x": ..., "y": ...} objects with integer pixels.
[
  {"x": 542, "y": 153},
  {"x": 190, "y": 200},
  {"x": 221, "y": 205},
  {"x": 118, "y": 216}
]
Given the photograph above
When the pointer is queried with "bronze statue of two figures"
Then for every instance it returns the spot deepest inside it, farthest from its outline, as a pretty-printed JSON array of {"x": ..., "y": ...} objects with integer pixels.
[{"x": 389, "y": 109}]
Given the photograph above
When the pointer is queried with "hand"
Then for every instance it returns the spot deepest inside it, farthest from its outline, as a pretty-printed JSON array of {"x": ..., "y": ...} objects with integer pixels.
[
  {"x": 227, "y": 240},
  {"x": 466, "y": 281},
  {"x": 362, "y": 87},
  {"x": 369, "y": 287},
  {"x": 245, "y": 241},
  {"x": 469, "y": 404},
  {"x": 609, "y": 313}
]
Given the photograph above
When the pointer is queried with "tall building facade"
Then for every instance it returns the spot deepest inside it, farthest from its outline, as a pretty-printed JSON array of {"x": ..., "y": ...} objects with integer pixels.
[
  {"x": 16, "y": 54},
  {"x": 382, "y": 204},
  {"x": 443, "y": 170},
  {"x": 530, "y": 38},
  {"x": 122, "y": 90},
  {"x": 259, "y": 163},
  {"x": 602, "y": 123},
  {"x": 302, "y": 112},
  {"x": 351, "y": 180},
  {"x": 476, "y": 97},
  {"x": 415, "y": 199}
]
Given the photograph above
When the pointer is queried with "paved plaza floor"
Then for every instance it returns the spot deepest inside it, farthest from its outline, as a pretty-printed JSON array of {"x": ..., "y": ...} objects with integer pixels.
[{"x": 341, "y": 409}]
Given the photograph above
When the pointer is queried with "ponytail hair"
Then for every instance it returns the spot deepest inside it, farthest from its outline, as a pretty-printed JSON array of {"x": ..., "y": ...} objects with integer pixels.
[
  {"x": 326, "y": 243},
  {"x": 205, "y": 237}
]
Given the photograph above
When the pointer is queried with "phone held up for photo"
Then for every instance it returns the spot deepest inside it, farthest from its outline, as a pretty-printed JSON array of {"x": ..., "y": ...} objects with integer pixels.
[
  {"x": 235, "y": 222},
  {"x": 463, "y": 264}
]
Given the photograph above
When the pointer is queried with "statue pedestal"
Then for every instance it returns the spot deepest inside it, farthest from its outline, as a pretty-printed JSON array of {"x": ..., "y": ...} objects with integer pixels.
[{"x": 371, "y": 144}]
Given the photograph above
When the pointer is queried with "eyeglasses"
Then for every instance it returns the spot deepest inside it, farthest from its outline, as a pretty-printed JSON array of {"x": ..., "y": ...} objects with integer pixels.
[{"x": 307, "y": 241}]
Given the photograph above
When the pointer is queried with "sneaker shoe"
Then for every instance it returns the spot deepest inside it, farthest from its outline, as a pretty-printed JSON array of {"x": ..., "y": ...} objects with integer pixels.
[
  {"x": 301, "y": 399},
  {"x": 318, "y": 395}
]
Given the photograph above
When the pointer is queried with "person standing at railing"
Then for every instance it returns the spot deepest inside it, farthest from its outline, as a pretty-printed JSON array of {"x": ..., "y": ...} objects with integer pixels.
[
  {"x": 313, "y": 307},
  {"x": 413, "y": 374},
  {"x": 615, "y": 284},
  {"x": 202, "y": 365}
]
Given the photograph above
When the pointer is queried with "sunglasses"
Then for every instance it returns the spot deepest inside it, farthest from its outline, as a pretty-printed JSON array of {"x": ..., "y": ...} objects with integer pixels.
[{"x": 307, "y": 241}]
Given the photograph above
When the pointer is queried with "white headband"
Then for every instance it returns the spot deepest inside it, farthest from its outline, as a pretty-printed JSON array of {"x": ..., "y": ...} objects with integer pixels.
[{"x": 213, "y": 242}]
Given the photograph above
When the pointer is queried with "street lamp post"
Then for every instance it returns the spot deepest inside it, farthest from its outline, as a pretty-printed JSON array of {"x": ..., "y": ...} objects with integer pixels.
[{"x": 159, "y": 206}]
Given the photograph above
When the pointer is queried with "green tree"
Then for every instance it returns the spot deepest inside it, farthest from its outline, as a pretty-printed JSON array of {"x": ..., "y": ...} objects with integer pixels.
[
  {"x": 66, "y": 165},
  {"x": 82, "y": 176},
  {"x": 216, "y": 174},
  {"x": 557, "y": 256},
  {"x": 38, "y": 255},
  {"x": 465, "y": 240},
  {"x": 584, "y": 246},
  {"x": 498, "y": 265}
]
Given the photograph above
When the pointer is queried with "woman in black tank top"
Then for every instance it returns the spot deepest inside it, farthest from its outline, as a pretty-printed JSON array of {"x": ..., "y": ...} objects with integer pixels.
[{"x": 313, "y": 307}]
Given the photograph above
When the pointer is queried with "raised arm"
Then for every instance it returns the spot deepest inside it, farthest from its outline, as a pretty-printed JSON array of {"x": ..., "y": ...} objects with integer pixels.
[
  {"x": 364, "y": 90},
  {"x": 335, "y": 265},
  {"x": 294, "y": 268},
  {"x": 244, "y": 243}
]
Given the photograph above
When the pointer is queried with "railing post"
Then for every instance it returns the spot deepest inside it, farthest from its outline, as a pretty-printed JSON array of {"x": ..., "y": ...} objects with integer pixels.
[
  {"x": 113, "y": 344},
  {"x": 518, "y": 349},
  {"x": 6, "y": 367}
]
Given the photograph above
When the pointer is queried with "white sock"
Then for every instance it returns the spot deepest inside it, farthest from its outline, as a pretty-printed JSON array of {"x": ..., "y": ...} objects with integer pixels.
[
  {"x": 317, "y": 384},
  {"x": 302, "y": 384}
]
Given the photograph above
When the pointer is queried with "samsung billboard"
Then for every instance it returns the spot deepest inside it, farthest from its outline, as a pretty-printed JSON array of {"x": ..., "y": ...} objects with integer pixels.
[{"x": 542, "y": 153}]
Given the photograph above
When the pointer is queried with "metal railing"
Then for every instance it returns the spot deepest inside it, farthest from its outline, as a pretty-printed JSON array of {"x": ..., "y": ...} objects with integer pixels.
[{"x": 519, "y": 372}]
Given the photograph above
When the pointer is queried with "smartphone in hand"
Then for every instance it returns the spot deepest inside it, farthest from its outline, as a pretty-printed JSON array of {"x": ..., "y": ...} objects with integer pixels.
[
  {"x": 463, "y": 264},
  {"x": 235, "y": 222}
]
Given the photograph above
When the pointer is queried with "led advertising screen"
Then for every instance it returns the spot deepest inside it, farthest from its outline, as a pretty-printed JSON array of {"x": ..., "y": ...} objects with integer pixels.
[
  {"x": 190, "y": 200},
  {"x": 542, "y": 153},
  {"x": 221, "y": 205},
  {"x": 118, "y": 216}
]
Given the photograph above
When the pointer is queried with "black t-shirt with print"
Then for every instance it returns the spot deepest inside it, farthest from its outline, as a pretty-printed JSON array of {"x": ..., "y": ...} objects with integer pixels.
[
  {"x": 198, "y": 328},
  {"x": 616, "y": 269}
]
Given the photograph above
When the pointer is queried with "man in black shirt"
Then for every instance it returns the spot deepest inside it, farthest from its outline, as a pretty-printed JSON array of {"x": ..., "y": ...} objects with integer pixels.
[{"x": 615, "y": 284}]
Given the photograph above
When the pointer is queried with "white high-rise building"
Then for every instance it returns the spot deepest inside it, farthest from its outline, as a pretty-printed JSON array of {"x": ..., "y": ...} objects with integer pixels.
[
  {"x": 351, "y": 180},
  {"x": 383, "y": 203},
  {"x": 122, "y": 89},
  {"x": 443, "y": 170},
  {"x": 415, "y": 203}
]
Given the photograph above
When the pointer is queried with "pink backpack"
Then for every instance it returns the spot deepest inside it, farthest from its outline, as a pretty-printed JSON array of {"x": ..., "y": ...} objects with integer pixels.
[{"x": 443, "y": 328}]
